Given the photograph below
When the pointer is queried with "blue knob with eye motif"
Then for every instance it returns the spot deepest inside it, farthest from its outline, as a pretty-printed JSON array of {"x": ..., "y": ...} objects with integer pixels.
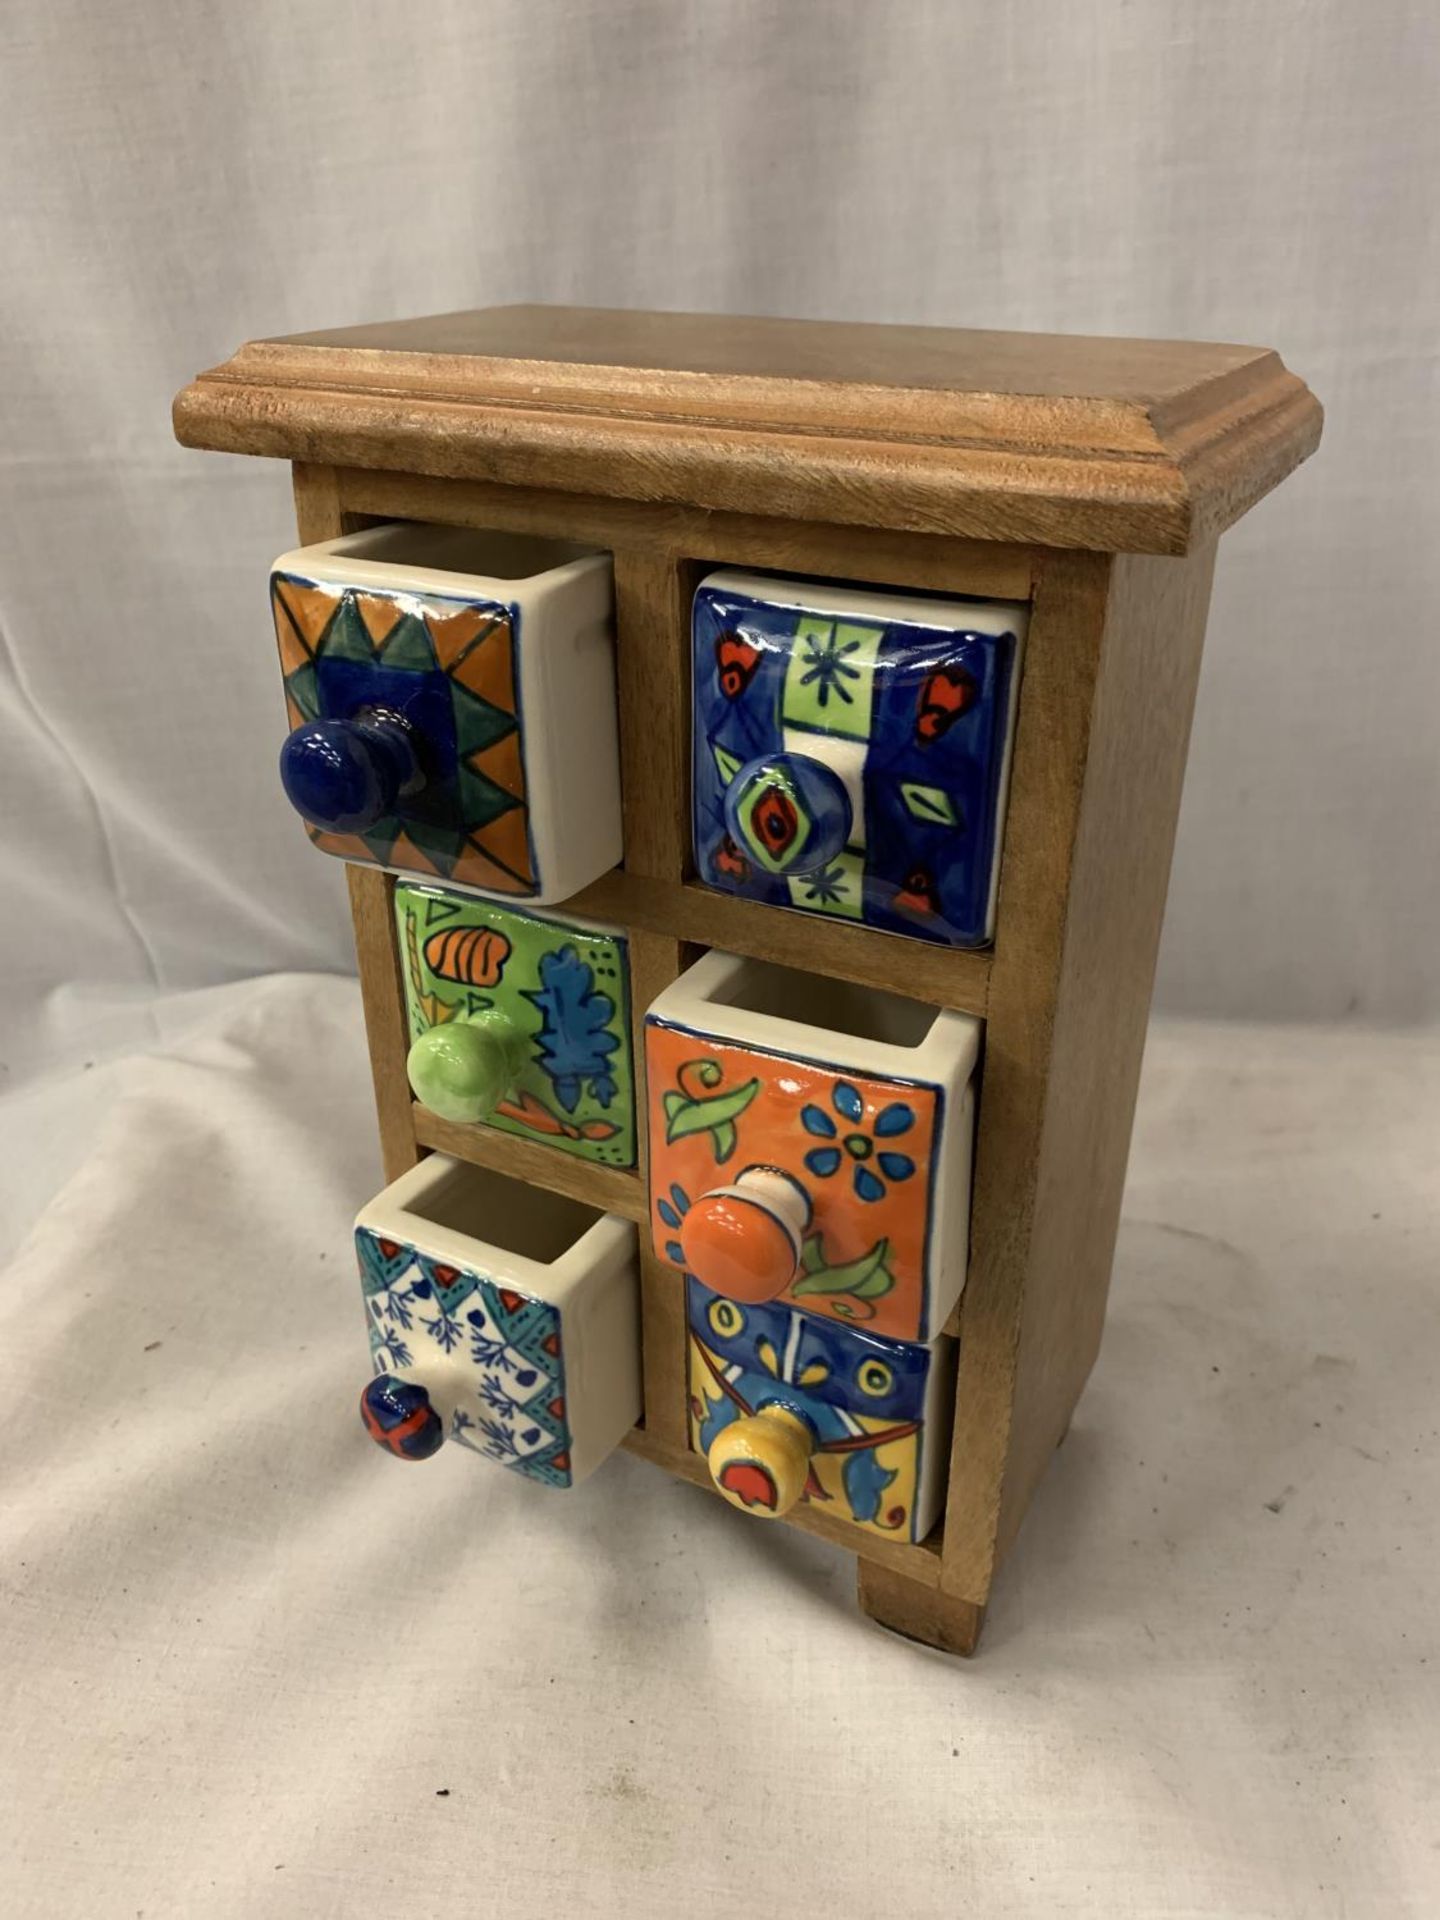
[
  {"x": 790, "y": 812},
  {"x": 399, "y": 1417},
  {"x": 344, "y": 775}
]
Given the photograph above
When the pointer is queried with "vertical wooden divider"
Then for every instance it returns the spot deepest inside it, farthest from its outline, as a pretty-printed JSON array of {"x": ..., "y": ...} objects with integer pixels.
[{"x": 652, "y": 616}]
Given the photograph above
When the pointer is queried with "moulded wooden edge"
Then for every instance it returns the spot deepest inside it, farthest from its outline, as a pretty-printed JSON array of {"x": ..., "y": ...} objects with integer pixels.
[{"x": 1077, "y": 471}]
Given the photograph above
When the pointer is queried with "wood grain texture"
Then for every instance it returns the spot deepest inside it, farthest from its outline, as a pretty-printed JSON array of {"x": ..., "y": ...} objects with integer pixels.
[
  {"x": 990, "y": 569},
  {"x": 1098, "y": 769},
  {"x": 893, "y": 1598},
  {"x": 1120, "y": 873},
  {"x": 382, "y": 992},
  {"x": 1142, "y": 446},
  {"x": 1046, "y": 787},
  {"x": 921, "y": 970},
  {"x": 611, "y": 1189}
]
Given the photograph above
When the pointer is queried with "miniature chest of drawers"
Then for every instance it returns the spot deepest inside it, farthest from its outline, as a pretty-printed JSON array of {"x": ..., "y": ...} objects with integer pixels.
[{"x": 756, "y": 747}]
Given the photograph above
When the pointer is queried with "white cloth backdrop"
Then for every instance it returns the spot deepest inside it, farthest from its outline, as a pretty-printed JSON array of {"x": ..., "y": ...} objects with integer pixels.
[
  {"x": 1194, "y": 1703},
  {"x": 176, "y": 179}
]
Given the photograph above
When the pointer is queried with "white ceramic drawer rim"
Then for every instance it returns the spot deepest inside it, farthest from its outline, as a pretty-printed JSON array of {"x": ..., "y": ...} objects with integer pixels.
[
  {"x": 878, "y": 604},
  {"x": 331, "y": 562},
  {"x": 953, "y": 1039},
  {"x": 556, "y": 1282}
]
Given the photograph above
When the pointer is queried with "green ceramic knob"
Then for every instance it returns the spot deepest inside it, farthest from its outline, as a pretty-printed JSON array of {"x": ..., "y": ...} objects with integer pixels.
[{"x": 464, "y": 1069}]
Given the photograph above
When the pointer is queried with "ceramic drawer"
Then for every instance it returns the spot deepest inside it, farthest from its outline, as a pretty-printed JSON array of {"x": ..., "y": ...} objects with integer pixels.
[
  {"x": 501, "y": 1317},
  {"x": 451, "y": 697},
  {"x": 789, "y": 1407},
  {"x": 519, "y": 1020},
  {"x": 810, "y": 1142},
  {"x": 851, "y": 750}
]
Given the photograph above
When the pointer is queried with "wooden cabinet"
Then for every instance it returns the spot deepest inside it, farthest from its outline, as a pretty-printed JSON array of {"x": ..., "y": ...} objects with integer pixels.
[{"x": 1081, "y": 482}]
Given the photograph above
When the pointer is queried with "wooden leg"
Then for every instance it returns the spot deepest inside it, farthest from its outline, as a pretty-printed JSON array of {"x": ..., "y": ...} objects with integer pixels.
[{"x": 919, "y": 1612}]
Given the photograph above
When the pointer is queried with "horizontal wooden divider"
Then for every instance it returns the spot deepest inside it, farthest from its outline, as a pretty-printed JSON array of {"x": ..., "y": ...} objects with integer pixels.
[
  {"x": 611, "y": 1189},
  {"x": 933, "y": 562},
  {"x": 921, "y": 970}
]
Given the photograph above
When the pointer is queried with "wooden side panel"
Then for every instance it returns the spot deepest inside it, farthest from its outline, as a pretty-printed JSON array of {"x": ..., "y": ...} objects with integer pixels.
[
  {"x": 1105, "y": 719},
  {"x": 1139, "y": 736},
  {"x": 1051, "y": 743}
]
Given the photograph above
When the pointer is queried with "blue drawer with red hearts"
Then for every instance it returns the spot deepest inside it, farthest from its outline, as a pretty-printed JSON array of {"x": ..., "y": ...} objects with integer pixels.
[
  {"x": 787, "y": 1407},
  {"x": 852, "y": 750}
]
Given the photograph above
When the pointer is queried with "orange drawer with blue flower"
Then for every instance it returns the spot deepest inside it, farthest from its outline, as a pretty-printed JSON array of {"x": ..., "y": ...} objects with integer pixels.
[{"x": 810, "y": 1142}]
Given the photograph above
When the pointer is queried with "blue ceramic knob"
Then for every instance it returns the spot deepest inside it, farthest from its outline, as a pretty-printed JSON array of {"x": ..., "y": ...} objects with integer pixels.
[
  {"x": 790, "y": 812},
  {"x": 344, "y": 775},
  {"x": 399, "y": 1417}
]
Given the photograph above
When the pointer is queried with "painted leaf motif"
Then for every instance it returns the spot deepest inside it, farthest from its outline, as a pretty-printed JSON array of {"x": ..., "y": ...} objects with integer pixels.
[
  {"x": 865, "y": 1279},
  {"x": 929, "y": 803},
  {"x": 575, "y": 1041},
  {"x": 726, "y": 765},
  {"x": 708, "y": 1114}
]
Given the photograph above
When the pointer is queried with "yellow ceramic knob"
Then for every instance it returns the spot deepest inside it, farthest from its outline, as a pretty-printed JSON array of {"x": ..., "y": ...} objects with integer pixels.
[{"x": 762, "y": 1461}]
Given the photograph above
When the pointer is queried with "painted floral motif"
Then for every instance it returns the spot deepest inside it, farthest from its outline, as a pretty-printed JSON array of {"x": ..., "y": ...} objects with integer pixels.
[
  {"x": 858, "y": 1144},
  {"x": 862, "y": 1147},
  {"x": 846, "y": 1288},
  {"x": 826, "y": 667}
]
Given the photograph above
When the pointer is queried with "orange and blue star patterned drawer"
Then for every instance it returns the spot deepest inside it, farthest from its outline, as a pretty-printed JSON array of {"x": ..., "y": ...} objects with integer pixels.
[{"x": 447, "y": 671}]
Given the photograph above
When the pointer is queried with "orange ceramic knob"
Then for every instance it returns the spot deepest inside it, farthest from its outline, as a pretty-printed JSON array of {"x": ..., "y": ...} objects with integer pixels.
[{"x": 744, "y": 1240}]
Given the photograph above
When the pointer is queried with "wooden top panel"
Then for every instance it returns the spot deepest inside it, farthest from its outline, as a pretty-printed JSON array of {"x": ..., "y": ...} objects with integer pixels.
[{"x": 1129, "y": 445}]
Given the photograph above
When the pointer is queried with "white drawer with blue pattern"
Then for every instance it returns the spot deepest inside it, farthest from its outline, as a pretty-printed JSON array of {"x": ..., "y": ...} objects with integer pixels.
[{"x": 502, "y": 1317}]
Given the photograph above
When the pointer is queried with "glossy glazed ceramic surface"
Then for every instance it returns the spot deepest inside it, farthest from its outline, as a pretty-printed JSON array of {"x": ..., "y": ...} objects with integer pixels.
[
  {"x": 564, "y": 987},
  {"x": 876, "y": 1136},
  {"x": 448, "y": 723},
  {"x": 851, "y": 750},
  {"x": 878, "y": 1410},
  {"x": 533, "y": 1363}
]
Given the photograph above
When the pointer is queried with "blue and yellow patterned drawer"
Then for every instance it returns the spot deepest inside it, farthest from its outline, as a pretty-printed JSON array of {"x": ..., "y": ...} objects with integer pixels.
[
  {"x": 786, "y": 1407},
  {"x": 851, "y": 750}
]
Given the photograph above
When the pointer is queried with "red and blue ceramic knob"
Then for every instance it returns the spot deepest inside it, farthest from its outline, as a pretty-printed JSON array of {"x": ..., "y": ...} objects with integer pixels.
[
  {"x": 744, "y": 1240},
  {"x": 792, "y": 813},
  {"x": 399, "y": 1417},
  {"x": 345, "y": 775}
]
